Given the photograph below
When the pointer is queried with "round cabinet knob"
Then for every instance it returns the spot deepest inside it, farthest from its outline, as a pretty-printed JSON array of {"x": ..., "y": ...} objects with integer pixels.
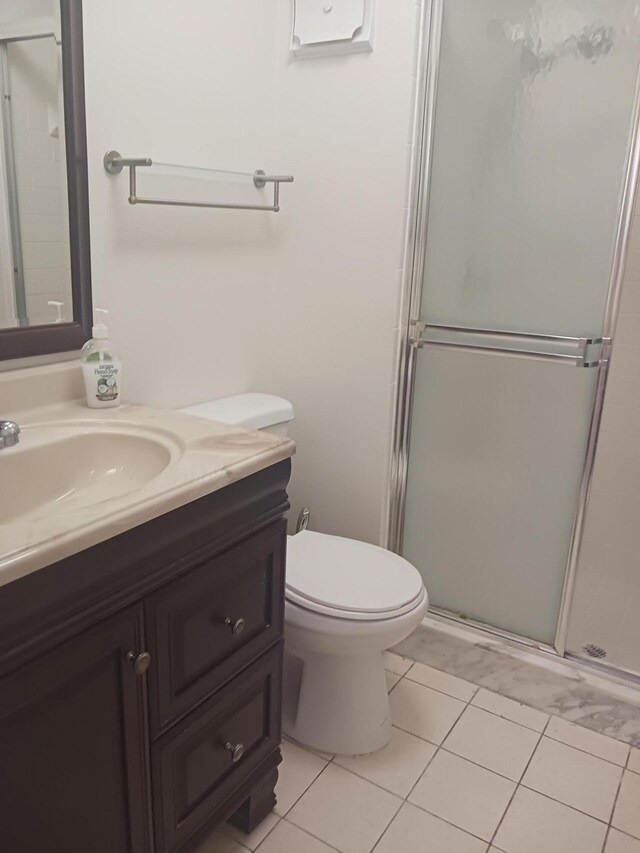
[
  {"x": 140, "y": 662},
  {"x": 237, "y": 627},
  {"x": 236, "y": 750}
]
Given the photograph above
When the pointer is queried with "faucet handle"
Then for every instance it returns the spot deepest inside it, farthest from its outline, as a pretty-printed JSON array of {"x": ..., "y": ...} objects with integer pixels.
[{"x": 9, "y": 433}]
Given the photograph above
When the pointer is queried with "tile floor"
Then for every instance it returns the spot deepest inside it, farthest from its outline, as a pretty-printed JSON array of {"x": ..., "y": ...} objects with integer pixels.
[
  {"x": 466, "y": 771},
  {"x": 547, "y": 684}
]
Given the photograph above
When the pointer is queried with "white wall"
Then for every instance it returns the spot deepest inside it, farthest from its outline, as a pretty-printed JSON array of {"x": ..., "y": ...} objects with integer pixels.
[
  {"x": 302, "y": 304},
  {"x": 607, "y": 601}
]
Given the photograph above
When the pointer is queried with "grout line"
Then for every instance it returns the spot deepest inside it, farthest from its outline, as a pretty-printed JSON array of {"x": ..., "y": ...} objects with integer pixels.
[
  {"x": 586, "y": 751},
  {"x": 441, "y": 747},
  {"x": 395, "y": 815},
  {"x": 519, "y": 783},
  {"x": 443, "y": 692},
  {"x": 501, "y": 716},
  {"x": 277, "y": 823},
  {"x": 311, "y": 835},
  {"x": 615, "y": 800},
  {"x": 305, "y": 831},
  {"x": 448, "y": 822},
  {"x": 379, "y": 786},
  {"x": 548, "y": 714},
  {"x": 625, "y": 833},
  {"x": 297, "y": 800},
  {"x": 566, "y": 805},
  {"x": 437, "y": 817},
  {"x": 393, "y": 687},
  {"x": 403, "y": 797},
  {"x": 437, "y": 745},
  {"x": 407, "y": 732}
]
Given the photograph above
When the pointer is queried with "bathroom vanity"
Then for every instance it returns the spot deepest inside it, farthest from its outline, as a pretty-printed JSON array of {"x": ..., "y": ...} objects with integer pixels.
[{"x": 140, "y": 674}]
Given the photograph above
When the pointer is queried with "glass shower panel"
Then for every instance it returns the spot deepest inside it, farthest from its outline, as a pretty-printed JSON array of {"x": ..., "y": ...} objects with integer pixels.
[
  {"x": 497, "y": 450},
  {"x": 532, "y": 129},
  {"x": 530, "y": 144}
]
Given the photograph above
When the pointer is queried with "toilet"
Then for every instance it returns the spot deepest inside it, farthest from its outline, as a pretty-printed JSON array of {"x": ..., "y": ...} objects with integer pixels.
[{"x": 346, "y": 602}]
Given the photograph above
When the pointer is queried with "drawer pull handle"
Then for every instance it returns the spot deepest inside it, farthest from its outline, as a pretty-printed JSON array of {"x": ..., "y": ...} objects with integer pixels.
[
  {"x": 237, "y": 751},
  {"x": 140, "y": 662},
  {"x": 237, "y": 627}
]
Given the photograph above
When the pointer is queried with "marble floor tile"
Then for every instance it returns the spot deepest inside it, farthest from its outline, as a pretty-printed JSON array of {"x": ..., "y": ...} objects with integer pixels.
[{"x": 547, "y": 690}]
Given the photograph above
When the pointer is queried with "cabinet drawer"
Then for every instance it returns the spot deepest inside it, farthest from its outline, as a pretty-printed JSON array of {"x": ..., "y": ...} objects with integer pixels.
[
  {"x": 195, "y": 768},
  {"x": 208, "y": 624}
]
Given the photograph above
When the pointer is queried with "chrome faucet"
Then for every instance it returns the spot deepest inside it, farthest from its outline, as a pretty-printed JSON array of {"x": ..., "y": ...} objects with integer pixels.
[{"x": 9, "y": 434}]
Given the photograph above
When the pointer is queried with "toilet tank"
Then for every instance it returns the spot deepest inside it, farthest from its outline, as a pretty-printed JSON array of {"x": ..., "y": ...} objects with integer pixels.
[{"x": 251, "y": 411}]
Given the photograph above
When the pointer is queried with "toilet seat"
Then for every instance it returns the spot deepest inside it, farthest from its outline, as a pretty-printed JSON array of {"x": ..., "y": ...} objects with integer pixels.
[{"x": 348, "y": 579}]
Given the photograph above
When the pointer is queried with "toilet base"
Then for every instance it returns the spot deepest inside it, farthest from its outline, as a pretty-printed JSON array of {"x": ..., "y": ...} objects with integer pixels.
[{"x": 337, "y": 704}]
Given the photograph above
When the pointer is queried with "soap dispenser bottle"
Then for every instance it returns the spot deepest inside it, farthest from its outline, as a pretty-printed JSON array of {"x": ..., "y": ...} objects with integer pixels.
[{"x": 101, "y": 367}]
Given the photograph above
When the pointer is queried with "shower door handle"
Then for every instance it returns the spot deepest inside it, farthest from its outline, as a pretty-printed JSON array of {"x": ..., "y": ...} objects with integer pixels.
[{"x": 589, "y": 351}]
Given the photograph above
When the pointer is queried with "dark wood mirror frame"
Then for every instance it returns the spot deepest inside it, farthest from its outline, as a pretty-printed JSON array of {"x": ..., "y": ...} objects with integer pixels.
[{"x": 65, "y": 337}]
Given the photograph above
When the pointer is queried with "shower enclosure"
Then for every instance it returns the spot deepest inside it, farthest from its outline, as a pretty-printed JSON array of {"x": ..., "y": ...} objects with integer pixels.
[{"x": 523, "y": 202}]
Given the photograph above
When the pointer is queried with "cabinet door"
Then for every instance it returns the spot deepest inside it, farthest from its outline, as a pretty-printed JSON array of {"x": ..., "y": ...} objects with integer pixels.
[{"x": 73, "y": 773}]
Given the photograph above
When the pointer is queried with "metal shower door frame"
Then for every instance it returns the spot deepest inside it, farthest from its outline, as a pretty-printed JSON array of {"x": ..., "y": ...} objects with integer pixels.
[{"x": 415, "y": 257}]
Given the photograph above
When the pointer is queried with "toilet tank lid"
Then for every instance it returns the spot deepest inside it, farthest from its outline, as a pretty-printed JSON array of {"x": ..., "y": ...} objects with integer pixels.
[{"x": 252, "y": 411}]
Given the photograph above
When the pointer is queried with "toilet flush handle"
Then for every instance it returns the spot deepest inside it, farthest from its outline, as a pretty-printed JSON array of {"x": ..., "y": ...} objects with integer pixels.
[
  {"x": 303, "y": 519},
  {"x": 237, "y": 626}
]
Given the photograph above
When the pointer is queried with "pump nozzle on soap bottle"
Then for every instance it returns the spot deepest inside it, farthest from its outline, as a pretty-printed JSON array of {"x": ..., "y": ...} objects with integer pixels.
[
  {"x": 101, "y": 367},
  {"x": 99, "y": 329}
]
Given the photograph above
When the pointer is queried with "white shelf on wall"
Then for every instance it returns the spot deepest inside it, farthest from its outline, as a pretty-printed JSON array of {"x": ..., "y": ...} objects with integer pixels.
[{"x": 331, "y": 27}]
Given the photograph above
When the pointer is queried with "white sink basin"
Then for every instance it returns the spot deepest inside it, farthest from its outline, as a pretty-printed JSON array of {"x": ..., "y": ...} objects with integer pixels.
[
  {"x": 80, "y": 476},
  {"x": 61, "y": 467}
]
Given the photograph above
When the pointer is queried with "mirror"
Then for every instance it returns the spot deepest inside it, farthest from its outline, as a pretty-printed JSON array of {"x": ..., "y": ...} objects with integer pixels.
[{"x": 45, "y": 289}]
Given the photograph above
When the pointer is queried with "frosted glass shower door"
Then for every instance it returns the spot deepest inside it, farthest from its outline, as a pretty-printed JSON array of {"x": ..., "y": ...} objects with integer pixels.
[{"x": 530, "y": 146}]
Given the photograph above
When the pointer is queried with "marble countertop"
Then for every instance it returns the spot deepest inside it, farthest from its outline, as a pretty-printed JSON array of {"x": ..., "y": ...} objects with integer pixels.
[{"x": 205, "y": 456}]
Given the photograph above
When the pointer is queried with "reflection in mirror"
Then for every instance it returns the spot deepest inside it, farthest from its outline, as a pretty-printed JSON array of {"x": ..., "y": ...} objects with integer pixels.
[{"x": 35, "y": 273}]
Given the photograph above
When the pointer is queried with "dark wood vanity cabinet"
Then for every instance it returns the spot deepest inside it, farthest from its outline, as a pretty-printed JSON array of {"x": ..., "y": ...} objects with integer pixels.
[
  {"x": 140, "y": 681},
  {"x": 72, "y": 746}
]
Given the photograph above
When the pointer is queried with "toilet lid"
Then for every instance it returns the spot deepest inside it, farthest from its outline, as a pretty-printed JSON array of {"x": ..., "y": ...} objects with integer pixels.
[{"x": 347, "y": 576}]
